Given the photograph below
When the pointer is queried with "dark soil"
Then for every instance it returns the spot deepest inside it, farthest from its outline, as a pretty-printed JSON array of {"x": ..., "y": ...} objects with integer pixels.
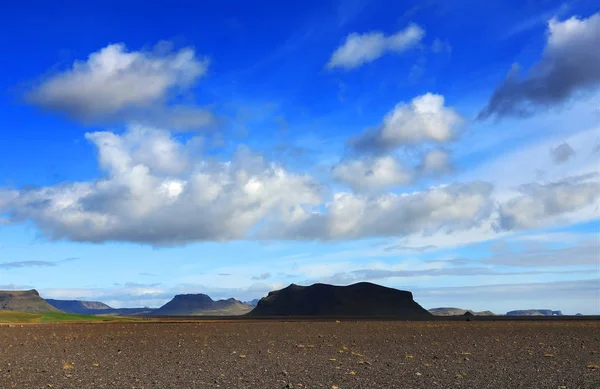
[{"x": 270, "y": 354}]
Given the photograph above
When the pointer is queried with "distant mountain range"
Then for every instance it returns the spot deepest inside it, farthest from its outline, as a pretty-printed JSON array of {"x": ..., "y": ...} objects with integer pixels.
[
  {"x": 180, "y": 305},
  {"x": 361, "y": 299},
  {"x": 458, "y": 312},
  {"x": 95, "y": 308}
]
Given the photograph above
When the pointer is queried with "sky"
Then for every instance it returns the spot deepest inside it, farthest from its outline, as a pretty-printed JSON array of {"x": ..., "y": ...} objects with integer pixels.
[{"x": 447, "y": 148}]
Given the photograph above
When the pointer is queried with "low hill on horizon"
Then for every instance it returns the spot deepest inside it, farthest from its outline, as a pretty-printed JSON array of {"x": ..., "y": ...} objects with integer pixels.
[
  {"x": 534, "y": 312},
  {"x": 24, "y": 301},
  {"x": 449, "y": 311},
  {"x": 361, "y": 299},
  {"x": 79, "y": 306},
  {"x": 201, "y": 305}
]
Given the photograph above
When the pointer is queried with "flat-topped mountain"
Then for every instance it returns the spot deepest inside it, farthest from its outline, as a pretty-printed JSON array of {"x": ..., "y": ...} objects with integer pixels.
[
  {"x": 201, "y": 304},
  {"x": 361, "y": 299},
  {"x": 447, "y": 311},
  {"x": 80, "y": 306},
  {"x": 24, "y": 301}
]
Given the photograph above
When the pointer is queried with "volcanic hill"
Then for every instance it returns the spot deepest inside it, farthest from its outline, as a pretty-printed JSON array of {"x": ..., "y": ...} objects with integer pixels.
[
  {"x": 24, "y": 301},
  {"x": 361, "y": 299}
]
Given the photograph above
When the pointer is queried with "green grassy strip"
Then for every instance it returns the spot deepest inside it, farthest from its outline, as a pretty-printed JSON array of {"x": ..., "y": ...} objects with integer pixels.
[{"x": 55, "y": 317}]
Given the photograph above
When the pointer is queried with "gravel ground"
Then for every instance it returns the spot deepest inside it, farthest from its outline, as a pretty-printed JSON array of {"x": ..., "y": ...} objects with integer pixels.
[{"x": 268, "y": 354}]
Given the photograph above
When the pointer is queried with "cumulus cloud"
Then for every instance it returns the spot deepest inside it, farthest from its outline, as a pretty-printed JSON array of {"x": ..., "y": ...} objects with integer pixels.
[
  {"x": 351, "y": 216},
  {"x": 153, "y": 195},
  {"x": 161, "y": 190},
  {"x": 371, "y": 173},
  {"x": 424, "y": 119},
  {"x": 359, "y": 49},
  {"x": 570, "y": 63},
  {"x": 562, "y": 153},
  {"x": 144, "y": 146},
  {"x": 114, "y": 84},
  {"x": 540, "y": 202}
]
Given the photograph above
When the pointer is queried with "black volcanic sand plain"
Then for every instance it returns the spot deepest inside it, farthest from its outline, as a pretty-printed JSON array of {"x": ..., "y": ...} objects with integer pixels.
[{"x": 273, "y": 354}]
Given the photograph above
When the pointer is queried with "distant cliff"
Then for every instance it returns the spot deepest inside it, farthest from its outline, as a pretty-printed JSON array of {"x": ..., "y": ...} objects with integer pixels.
[{"x": 24, "y": 301}]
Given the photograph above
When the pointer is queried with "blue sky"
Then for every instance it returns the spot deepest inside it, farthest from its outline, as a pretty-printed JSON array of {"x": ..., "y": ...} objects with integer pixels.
[{"x": 449, "y": 149}]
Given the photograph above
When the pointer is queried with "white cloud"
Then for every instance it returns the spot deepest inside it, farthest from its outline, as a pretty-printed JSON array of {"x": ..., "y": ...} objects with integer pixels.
[
  {"x": 570, "y": 63},
  {"x": 115, "y": 84},
  {"x": 424, "y": 119},
  {"x": 145, "y": 146},
  {"x": 143, "y": 200},
  {"x": 351, "y": 216},
  {"x": 156, "y": 193},
  {"x": 539, "y": 203},
  {"x": 359, "y": 49},
  {"x": 160, "y": 190},
  {"x": 371, "y": 173}
]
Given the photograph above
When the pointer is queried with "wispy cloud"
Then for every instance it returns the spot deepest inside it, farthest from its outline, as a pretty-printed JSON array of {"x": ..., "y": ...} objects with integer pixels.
[
  {"x": 382, "y": 274},
  {"x": 264, "y": 276},
  {"x": 22, "y": 264},
  {"x": 359, "y": 49},
  {"x": 15, "y": 287}
]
